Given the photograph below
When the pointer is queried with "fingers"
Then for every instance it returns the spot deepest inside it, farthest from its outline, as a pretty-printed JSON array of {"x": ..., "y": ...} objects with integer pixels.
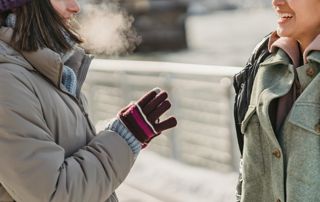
[
  {"x": 166, "y": 124},
  {"x": 143, "y": 101},
  {"x": 157, "y": 90},
  {"x": 163, "y": 107},
  {"x": 153, "y": 104}
]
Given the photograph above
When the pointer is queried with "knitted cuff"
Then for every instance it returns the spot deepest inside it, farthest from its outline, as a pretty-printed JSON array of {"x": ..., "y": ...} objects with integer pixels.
[{"x": 117, "y": 126}]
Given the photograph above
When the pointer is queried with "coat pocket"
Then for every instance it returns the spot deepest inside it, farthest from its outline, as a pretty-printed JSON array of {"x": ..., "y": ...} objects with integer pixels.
[
  {"x": 302, "y": 140},
  {"x": 306, "y": 116},
  {"x": 247, "y": 118},
  {"x": 253, "y": 163}
]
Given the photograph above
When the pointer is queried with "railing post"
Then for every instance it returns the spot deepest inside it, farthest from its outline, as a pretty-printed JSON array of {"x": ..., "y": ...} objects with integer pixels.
[{"x": 175, "y": 147}]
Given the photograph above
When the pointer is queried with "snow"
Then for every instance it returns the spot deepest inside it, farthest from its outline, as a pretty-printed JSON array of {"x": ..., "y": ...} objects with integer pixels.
[{"x": 155, "y": 178}]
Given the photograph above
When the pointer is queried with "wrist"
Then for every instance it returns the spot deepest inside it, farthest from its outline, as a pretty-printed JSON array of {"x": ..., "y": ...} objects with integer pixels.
[{"x": 117, "y": 126}]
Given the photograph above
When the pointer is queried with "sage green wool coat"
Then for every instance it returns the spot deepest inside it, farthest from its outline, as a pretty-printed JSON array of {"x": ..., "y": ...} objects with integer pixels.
[{"x": 286, "y": 166}]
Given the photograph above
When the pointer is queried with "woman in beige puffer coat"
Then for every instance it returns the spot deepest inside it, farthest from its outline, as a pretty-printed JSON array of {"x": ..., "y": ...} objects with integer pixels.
[{"x": 49, "y": 148}]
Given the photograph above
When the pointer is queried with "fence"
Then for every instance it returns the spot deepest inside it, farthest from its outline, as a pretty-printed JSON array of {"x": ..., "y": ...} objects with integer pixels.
[{"x": 202, "y": 100}]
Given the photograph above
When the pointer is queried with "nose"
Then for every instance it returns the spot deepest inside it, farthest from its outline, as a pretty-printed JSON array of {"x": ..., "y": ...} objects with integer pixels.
[
  {"x": 73, "y": 6},
  {"x": 277, "y": 3}
]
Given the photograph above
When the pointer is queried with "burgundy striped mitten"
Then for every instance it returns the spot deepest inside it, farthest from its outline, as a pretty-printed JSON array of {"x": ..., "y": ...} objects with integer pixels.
[{"x": 142, "y": 117}]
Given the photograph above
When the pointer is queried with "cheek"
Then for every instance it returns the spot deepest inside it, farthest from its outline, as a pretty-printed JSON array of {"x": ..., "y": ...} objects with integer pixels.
[
  {"x": 59, "y": 6},
  {"x": 310, "y": 21}
]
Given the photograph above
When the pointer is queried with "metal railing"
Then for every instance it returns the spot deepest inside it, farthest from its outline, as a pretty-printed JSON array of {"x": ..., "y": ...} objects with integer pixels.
[{"x": 202, "y": 99}]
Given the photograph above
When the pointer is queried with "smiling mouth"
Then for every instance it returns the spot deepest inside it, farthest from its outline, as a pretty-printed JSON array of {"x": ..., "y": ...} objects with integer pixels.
[{"x": 284, "y": 17}]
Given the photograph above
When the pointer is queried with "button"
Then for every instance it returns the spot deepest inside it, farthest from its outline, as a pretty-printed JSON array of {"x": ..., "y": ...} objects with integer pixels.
[
  {"x": 311, "y": 71},
  {"x": 277, "y": 153},
  {"x": 317, "y": 127}
]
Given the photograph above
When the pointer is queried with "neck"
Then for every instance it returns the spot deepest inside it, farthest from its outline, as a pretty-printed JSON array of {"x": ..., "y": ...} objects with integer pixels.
[
  {"x": 305, "y": 41},
  {"x": 303, "y": 44}
]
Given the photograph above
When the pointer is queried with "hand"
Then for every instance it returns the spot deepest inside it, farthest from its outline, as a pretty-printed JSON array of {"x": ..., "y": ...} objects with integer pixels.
[{"x": 142, "y": 118}]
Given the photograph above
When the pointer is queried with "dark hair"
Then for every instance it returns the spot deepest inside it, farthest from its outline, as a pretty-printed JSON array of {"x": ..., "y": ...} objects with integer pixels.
[{"x": 38, "y": 25}]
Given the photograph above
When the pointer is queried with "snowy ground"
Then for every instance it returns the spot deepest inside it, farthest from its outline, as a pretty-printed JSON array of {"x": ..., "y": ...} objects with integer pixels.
[
  {"x": 154, "y": 178},
  {"x": 157, "y": 179}
]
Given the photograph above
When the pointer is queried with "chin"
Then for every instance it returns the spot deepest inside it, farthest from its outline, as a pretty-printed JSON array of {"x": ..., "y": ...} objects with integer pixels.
[{"x": 282, "y": 33}]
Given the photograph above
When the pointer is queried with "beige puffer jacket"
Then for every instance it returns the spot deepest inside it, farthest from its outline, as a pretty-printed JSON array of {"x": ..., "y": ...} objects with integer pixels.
[{"x": 49, "y": 149}]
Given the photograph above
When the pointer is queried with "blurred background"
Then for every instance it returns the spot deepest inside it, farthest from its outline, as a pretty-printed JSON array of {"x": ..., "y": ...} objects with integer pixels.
[{"x": 191, "y": 49}]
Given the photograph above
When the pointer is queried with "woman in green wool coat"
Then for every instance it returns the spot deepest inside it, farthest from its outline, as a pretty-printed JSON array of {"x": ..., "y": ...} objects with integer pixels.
[
  {"x": 49, "y": 149},
  {"x": 281, "y": 151}
]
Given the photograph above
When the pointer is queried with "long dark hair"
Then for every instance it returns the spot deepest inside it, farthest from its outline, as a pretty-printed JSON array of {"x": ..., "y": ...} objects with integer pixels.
[{"x": 38, "y": 25}]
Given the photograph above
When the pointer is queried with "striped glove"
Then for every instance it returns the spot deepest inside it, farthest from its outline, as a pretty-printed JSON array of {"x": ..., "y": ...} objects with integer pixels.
[{"x": 142, "y": 117}]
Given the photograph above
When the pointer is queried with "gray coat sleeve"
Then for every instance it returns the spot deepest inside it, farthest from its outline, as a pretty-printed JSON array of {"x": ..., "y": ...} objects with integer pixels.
[{"x": 33, "y": 168}]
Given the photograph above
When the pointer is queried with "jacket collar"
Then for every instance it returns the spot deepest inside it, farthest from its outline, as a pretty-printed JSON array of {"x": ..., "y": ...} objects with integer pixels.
[
  {"x": 314, "y": 56},
  {"x": 291, "y": 47},
  {"x": 45, "y": 61},
  {"x": 312, "y": 51},
  {"x": 279, "y": 57},
  {"x": 288, "y": 45}
]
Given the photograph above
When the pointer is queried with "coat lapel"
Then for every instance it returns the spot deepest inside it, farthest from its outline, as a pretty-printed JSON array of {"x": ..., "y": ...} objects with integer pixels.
[{"x": 273, "y": 80}]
